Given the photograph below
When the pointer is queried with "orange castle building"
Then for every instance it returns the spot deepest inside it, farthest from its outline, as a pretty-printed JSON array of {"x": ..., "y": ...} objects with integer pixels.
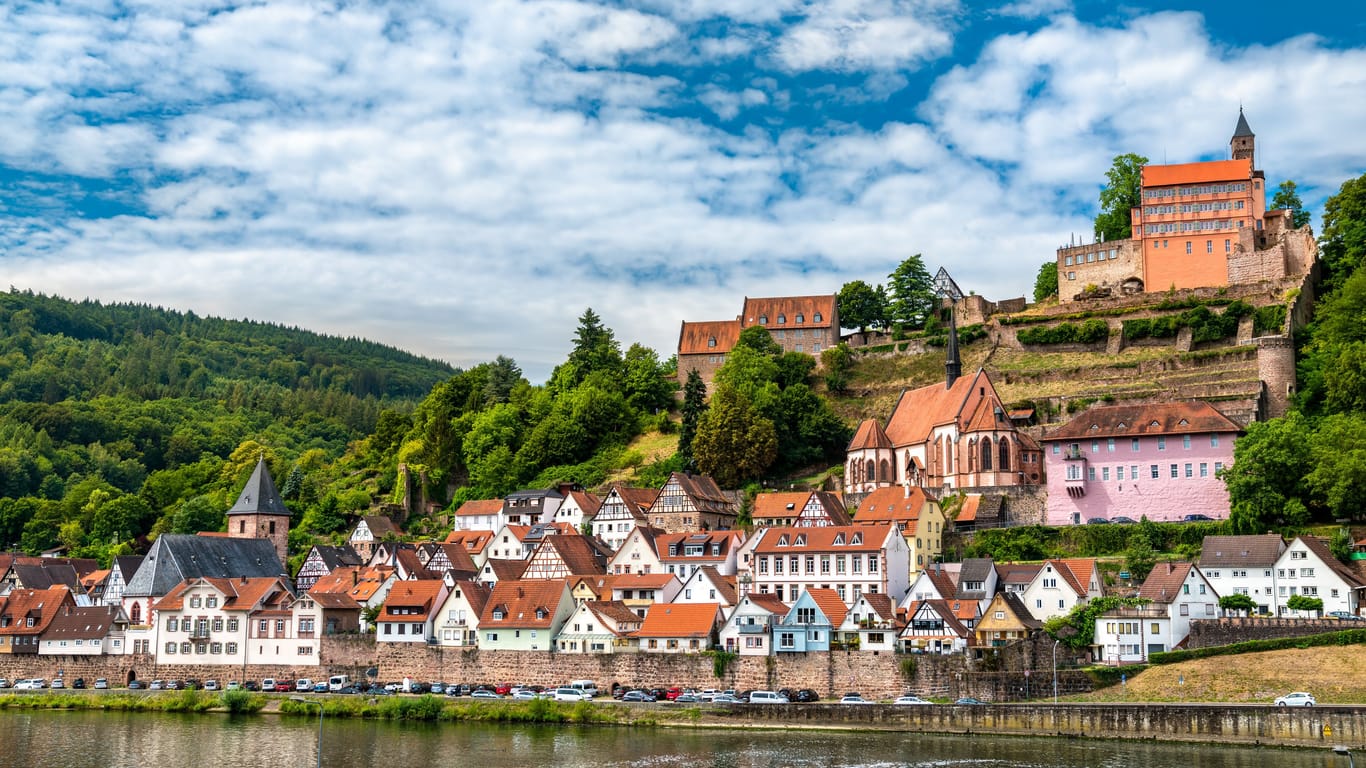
[{"x": 1200, "y": 225}]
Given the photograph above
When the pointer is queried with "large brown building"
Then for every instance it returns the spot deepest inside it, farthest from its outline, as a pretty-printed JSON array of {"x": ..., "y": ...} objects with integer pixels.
[
  {"x": 1200, "y": 225},
  {"x": 807, "y": 324}
]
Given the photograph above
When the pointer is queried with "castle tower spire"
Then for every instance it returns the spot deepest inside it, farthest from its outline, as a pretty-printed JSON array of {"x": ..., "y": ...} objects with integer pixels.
[
  {"x": 259, "y": 513},
  {"x": 1243, "y": 145}
]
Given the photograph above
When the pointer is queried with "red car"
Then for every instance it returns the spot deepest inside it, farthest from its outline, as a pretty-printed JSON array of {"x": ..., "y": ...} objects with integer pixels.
[
  {"x": 673, "y": 693},
  {"x": 284, "y": 686},
  {"x": 502, "y": 689}
]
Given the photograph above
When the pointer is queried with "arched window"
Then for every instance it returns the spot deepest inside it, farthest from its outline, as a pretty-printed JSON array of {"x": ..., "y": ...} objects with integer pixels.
[
  {"x": 801, "y": 318},
  {"x": 135, "y": 616},
  {"x": 782, "y": 319},
  {"x": 763, "y": 319},
  {"x": 972, "y": 455},
  {"x": 711, "y": 341},
  {"x": 885, "y": 472},
  {"x": 986, "y": 454},
  {"x": 818, "y": 317},
  {"x": 870, "y": 474},
  {"x": 1005, "y": 455}
]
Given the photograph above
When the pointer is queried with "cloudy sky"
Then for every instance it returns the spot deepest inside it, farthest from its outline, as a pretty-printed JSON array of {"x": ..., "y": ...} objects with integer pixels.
[{"x": 461, "y": 178}]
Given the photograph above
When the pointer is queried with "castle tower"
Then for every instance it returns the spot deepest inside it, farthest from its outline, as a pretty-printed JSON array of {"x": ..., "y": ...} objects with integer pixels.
[
  {"x": 260, "y": 514},
  {"x": 1276, "y": 369},
  {"x": 1243, "y": 145}
]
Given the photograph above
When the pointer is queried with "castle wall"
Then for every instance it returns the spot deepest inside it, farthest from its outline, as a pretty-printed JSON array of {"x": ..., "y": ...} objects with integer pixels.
[{"x": 1101, "y": 265}]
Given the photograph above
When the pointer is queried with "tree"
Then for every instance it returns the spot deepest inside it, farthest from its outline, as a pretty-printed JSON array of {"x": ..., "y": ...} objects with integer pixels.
[
  {"x": 1287, "y": 197},
  {"x": 1269, "y": 466},
  {"x": 1139, "y": 557},
  {"x": 1305, "y": 603},
  {"x": 199, "y": 514},
  {"x": 1342, "y": 245},
  {"x": 1077, "y": 629},
  {"x": 757, "y": 338},
  {"x": 837, "y": 362},
  {"x": 1046, "y": 283},
  {"x": 1122, "y": 191},
  {"x": 1336, "y": 475},
  {"x": 912, "y": 293},
  {"x": 1237, "y": 602},
  {"x": 694, "y": 405},
  {"x": 734, "y": 443},
  {"x": 861, "y": 306},
  {"x": 646, "y": 387},
  {"x": 595, "y": 349}
]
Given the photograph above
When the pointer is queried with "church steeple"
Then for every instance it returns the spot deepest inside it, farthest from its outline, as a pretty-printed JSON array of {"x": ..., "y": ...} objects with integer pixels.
[
  {"x": 259, "y": 513},
  {"x": 1243, "y": 145}
]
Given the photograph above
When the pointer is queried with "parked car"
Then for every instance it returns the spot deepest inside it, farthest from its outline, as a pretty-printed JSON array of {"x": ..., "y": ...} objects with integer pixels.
[
  {"x": 101, "y": 684},
  {"x": 1345, "y": 616},
  {"x": 1197, "y": 519},
  {"x": 136, "y": 685},
  {"x": 687, "y": 698},
  {"x": 672, "y": 694},
  {"x": 320, "y": 686},
  {"x": 210, "y": 685},
  {"x": 57, "y": 682},
  {"x": 726, "y": 698},
  {"x": 303, "y": 685},
  {"x": 251, "y": 685},
  {"x": 854, "y": 698},
  {"x": 1121, "y": 519},
  {"x": 806, "y": 696},
  {"x": 570, "y": 694},
  {"x": 268, "y": 684},
  {"x": 638, "y": 696},
  {"x": 908, "y": 701},
  {"x": 4, "y": 683},
  {"x": 969, "y": 700},
  {"x": 232, "y": 685},
  {"x": 1098, "y": 521},
  {"x": 283, "y": 686},
  {"x": 502, "y": 689},
  {"x": 170, "y": 685},
  {"x": 78, "y": 683},
  {"x": 348, "y": 688},
  {"x": 484, "y": 693},
  {"x": 1296, "y": 699},
  {"x": 30, "y": 684},
  {"x": 437, "y": 688},
  {"x": 157, "y": 685},
  {"x": 767, "y": 697}
]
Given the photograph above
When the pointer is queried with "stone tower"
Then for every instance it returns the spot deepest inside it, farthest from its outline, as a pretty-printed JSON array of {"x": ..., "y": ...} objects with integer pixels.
[
  {"x": 260, "y": 514},
  {"x": 1243, "y": 145},
  {"x": 1276, "y": 369}
]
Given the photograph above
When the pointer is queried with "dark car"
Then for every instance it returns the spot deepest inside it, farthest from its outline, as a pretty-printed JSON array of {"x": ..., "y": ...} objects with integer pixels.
[
  {"x": 136, "y": 685},
  {"x": 1122, "y": 520},
  {"x": 968, "y": 700},
  {"x": 1098, "y": 521},
  {"x": 637, "y": 696},
  {"x": 251, "y": 685},
  {"x": 1197, "y": 519},
  {"x": 78, "y": 683},
  {"x": 805, "y": 696},
  {"x": 349, "y": 688}
]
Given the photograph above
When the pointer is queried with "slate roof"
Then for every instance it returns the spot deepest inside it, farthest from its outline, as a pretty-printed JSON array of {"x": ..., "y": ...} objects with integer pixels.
[
  {"x": 336, "y": 557},
  {"x": 258, "y": 496},
  {"x": 175, "y": 557},
  {"x": 1242, "y": 129},
  {"x": 1022, "y": 614},
  {"x": 680, "y": 620},
  {"x": 42, "y": 575},
  {"x": 973, "y": 569},
  {"x": 1241, "y": 551},
  {"x": 1017, "y": 573},
  {"x": 126, "y": 565},
  {"x": 1188, "y": 417},
  {"x": 696, "y": 338}
]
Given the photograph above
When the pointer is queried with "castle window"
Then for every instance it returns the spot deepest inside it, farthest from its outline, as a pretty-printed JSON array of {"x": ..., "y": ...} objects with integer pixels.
[
  {"x": 1188, "y": 247},
  {"x": 1071, "y": 275},
  {"x": 801, "y": 318},
  {"x": 711, "y": 341},
  {"x": 782, "y": 319},
  {"x": 763, "y": 319},
  {"x": 1067, "y": 262},
  {"x": 818, "y": 317},
  {"x": 1209, "y": 246},
  {"x": 1228, "y": 245}
]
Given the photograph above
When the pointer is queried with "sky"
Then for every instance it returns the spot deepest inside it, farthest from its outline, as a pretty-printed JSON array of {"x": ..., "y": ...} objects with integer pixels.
[{"x": 462, "y": 179}]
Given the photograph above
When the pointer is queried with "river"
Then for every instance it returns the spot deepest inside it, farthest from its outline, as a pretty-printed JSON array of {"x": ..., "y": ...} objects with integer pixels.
[{"x": 46, "y": 739}]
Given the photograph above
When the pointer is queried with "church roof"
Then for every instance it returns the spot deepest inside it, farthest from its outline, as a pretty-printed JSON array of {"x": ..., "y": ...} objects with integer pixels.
[
  {"x": 259, "y": 496},
  {"x": 1243, "y": 128},
  {"x": 918, "y": 411},
  {"x": 869, "y": 435},
  {"x": 176, "y": 557}
]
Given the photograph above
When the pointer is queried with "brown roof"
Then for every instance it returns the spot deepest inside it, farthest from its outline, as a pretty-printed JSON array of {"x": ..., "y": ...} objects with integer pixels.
[
  {"x": 506, "y": 570},
  {"x": 704, "y": 493},
  {"x": 1144, "y": 419},
  {"x": 942, "y": 581},
  {"x": 727, "y": 539},
  {"x": 768, "y": 506},
  {"x": 635, "y": 500},
  {"x": 714, "y": 337},
  {"x": 642, "y": 581},
  {"x": 892, "y": 504},
  {"x": 952, "y": 622},
  {"x": 725, "y": 587},
  {"x": 517, "y": 602},
  {"x": 787, "y": 309},
  {"x": 244, "y": 594},
  {"x": 830, "y": 604},
  {"x": 82, "y": 623},
  {"x": 42, "y": 605},
  {"x": 474, "y": 542},
  {"x": 577, "y": 552},
  {"x": 680, "y": 620},
  {"x": 615, "y": 611},
  {"x": 1319, "y": 546},
  {"x": 357, "y": 584},
  {"x": 1017, "y": 573},
  {"x": 869, "y": 435},
  {"x": 1194, "y": 173},
  {"x": 587, "y": 502},
  {"x": 881, "y": 602},
  {"x": 1238, "y": 551},
  {"x": 782, "y": 540},
  {"x": 419, "y": 594},
  {"x": 380, "y": 525},
  {"x": 967, "y": 513},
  {"x": 918, "y": 411},
  {"x": 475, "y": 594},
  {"x": 480, "y": 507},
  {"x": 1164, "y": 582},
  {"x": 769, "y": 602}
]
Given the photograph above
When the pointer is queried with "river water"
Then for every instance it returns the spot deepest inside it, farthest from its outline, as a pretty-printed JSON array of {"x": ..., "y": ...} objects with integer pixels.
[{"x": 45, "y": 739}]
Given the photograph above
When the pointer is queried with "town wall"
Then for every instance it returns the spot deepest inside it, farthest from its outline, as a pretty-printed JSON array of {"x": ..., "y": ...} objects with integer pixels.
[
  {"x": 1025, "y": 504},
  {"x": 1206, "y": 633}
]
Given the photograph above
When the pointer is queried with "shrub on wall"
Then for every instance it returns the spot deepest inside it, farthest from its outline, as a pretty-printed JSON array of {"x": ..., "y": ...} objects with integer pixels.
[{"x": 1088, "y": 332}]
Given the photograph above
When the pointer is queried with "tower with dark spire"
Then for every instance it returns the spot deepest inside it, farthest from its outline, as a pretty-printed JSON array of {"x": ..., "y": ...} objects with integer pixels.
[
  {"x": 259, "y": 513},
  {"x": 1243, "y": 145},
  {"x": 946, "y": 288}
]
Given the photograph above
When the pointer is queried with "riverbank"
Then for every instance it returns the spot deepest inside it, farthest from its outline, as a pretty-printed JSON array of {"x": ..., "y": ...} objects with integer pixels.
[{"x": 1318, "y": 727}]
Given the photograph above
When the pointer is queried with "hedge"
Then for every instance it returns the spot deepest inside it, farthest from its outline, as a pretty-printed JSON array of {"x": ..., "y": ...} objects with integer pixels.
[
  {"x": 1088, "y": 332},
  {"x": 1347, "y": 637},
  {"x": 1204, "y": 325}
]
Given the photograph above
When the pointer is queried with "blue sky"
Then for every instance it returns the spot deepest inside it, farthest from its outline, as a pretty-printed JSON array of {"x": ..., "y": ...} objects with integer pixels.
[{"x": 462, "y": 179}]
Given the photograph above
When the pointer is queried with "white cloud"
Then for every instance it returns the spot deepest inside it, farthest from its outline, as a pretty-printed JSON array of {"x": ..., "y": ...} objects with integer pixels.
[{"x": 861, "y": 35}]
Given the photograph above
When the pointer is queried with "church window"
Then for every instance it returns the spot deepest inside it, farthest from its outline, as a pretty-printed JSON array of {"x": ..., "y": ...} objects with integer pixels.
[
  {"x": 986, "y": 454},
  {"x": 1004, "y": 455}
]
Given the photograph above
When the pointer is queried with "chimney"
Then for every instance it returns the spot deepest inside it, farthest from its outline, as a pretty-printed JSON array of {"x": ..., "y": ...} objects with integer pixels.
[{"x": 355, "y": 577}]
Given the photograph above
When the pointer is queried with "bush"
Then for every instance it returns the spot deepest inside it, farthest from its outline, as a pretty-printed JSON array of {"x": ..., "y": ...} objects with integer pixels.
[
  {"x": 241, "y": 702},
  {"x": 1088, "y": 332}
]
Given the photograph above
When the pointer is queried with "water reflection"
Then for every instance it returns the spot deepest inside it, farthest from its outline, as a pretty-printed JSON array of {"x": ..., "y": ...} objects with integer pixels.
[{"x": 125, "y": 740}]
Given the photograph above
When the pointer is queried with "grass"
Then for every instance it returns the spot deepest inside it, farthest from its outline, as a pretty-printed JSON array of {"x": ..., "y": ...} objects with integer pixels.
[
  {"x": 1334, "y": 674},
  {"x": 650, "y": 447}
]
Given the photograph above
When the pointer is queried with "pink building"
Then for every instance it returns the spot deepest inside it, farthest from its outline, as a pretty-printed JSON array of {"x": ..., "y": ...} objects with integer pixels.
[{"x": 1127, "y": 461}]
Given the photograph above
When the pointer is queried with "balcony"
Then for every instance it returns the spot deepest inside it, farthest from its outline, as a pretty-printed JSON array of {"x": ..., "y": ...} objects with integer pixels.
[
  {"x": 199, "y": 633},
  {"x": 761, "y": 628}
]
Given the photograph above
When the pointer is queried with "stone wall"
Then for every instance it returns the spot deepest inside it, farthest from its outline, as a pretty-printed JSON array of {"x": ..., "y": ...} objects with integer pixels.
[
  {"x": 1103, "y": 271},
  {"x": 120, "y": 669},
  {"x": 1025, "y": 504},
  {"x": 1205, "y": 633}
]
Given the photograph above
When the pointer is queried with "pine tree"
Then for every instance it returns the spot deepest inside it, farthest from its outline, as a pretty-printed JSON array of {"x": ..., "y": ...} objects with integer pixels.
[{"x": 694, "y": 404}]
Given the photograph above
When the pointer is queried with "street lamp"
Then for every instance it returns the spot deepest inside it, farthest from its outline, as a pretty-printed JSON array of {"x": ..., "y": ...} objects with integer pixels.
[
  {"x": 319, "y": 705},
  {"x": 1341, "y": 750}
]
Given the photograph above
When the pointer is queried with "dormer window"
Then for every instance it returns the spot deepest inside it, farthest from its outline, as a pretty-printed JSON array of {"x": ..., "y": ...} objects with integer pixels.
[
  {"x": 711, "y": 341},
  {"x": 801, "y": 318},
  {"x": 858, "y": 539},
  {"x": 782, "y": 540},
  {"x": 817, "y": 317},
  {"x": 540, "y": 613},
  {"x": 801, "y": 540},
  {"x": 763, "y": 319},
  {"x": 782, "y": 319},
  {"x": 497, "y": 615},
  {"x": 839, "y": 539}
]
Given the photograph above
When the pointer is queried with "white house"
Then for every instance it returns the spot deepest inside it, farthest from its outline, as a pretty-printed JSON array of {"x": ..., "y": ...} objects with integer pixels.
[
  {"x": 1179, "y": 593},
  {"x": 850, "y": 559},
  {"x": 932, "y": 626},
  {"x": 480, "y": 515},
  {"x": 409, "y": 611},
  {"x": 1243, "y": 565},
  {"x": 1308, "y": 568},
  {"x": 621, "y": 510},
  {"x": 231, "y": 622},
  {"x": 85, "y": 631},
  {"x": 748, "y": 630},
  {"x": 684, "y": 553},
  {"x": 599, "y": 627},
  {"x": 578, "y": 508},
  {"x": 635, "y": 552},
  {"x": 456, "y": 623},
  {"x": 525, "y": 615},
  {"x": 1061, "y": 585},
  {"x": 872, "y": 622},
  {"x": 705, "y": 585}
]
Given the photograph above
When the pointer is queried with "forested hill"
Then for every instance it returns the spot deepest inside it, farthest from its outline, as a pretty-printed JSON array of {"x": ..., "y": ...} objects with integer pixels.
[{"x": 155, "y": 405}]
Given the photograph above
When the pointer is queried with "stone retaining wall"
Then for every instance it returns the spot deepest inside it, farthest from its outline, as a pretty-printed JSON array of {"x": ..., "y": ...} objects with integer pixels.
[{"x": 1206, "y": 633}]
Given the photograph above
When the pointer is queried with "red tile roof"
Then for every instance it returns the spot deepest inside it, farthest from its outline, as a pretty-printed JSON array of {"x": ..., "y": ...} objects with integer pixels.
[
  {"x": 41, "y": 605},
  {"x": 476, "y": 595},
  {"x": 680, "y": 620},
  {"x": 1145, "y": 419},
  {"x": 518, "y": 604},
  {"x": 869, "y": 435},
  {"x": 728, "y": 540},
  {"x": 892, "y": 504},
  {"x": 1164, "y": 582},
  {"x": 709, "y": 337},
  {"x": 474, "y": 542},
  {"x": 967, "y": 513},
  {"x": 1195, "y": 173},
  {"x": 480, "y": 507},
  {"x": 830, "y": 604},
  {"x": 642, "y": 581},
  {"x": 788, "y": 308},
  {"x": 244, "y": 594},
  {"x": 918, "y": 411},
  {"x": 783, "y": 540},
  {"x": 769, "y": 602},
  {"x": 419, "y": 594}
]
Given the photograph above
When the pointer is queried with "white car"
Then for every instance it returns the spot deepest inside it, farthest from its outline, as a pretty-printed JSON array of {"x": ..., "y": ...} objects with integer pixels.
[
  {"x": 1296, "y": 699},
  {"x": 210, "y": 685},
  {"x": 101, "y": 684},
  {"x": 569, "y": 694},
  {"x": 854, "y": 698},
  {"x": 58, "y": 682},
  {"x": 34, "y": 684},
  {"x": 908, "y": 700}
]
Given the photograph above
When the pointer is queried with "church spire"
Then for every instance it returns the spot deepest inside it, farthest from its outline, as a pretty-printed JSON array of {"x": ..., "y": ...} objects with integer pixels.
[
  {"x": 1243, "y": 145},
  {"x": 258, "y": 496}
]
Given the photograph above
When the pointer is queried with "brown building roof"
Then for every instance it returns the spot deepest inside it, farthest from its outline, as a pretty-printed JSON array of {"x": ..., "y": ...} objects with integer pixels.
[
  {"x": 680, "y": 620},
  {"x": 918, "y": 411},
  {"x": 475, "y": 594},
  {"x": 1145, "y": 419},
  {"x": 1319, "y": 546},
  {"x": 784, "y": 312},
  {"x": 41, "y": 605},
  {"x": 379, "y": 525},
  {"x": 704, "y": 493},
  {"x": 769, "y": 602},
  {"x": 1195, "y": 173},
  {"x": 663, "y": 541},
  {"x": 778, "y": 506},
  {"x": 480, "y": 507},
  {"x": 409, "y": 595},
  {"x": 506, "y": 570},
  {"x": 587, "y": 502},
  {"x": 474, "y": 542},
  {"x": 615, "y": 611},
  {"x": 828, "y": 600},
  {"x": 1241, "y": 551},
  {"x": 708, "y": 337},
  {"x": 782, "y": 540},
  {"x": 869, "y": 435},
  {"x": 892, "y": 504},
  {"x": 528, "y": 604},
  {"x": 1164, "y": 582},
  {"x": 82, "y": 623}
]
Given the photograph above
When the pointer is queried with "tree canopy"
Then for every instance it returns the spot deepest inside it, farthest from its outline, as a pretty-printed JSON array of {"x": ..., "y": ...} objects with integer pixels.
[
  {"x": 1122, "y": 192},
  {"x": 1287, "y": 197},
  {"x": 862, "y": 306},
  {"x": 912, "y": 296},
  {"x": 1046, "y": 282}
]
